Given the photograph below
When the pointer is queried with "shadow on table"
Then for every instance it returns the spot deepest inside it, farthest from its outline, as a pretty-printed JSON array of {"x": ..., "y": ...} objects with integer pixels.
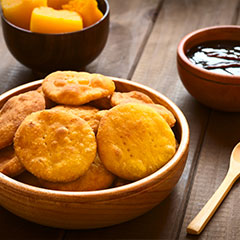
[{"x": 13, "y": 227}]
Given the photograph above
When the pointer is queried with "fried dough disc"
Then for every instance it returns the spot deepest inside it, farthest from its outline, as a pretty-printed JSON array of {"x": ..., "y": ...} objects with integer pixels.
[
  {"x": 165, "y": 113},
  {"x": 101, "y": 113},
  {"x": 120, "y": 182},
  {"x": 14, "y": 111},
  {"x": 126, "y": 97},
  {"x": 76, "y": 88},
  {"x": 49, "y": 102},
  {"x": 99, "y": 116},
  {"x": 55, "y": 145},
  {"x": 9, "y": 163},
  {"x": 134, "y": 141},
  {"x": 88, "y": 113},
  {"x": 102, "y": 103},
  {"x": 96, "y": 178},
  {"x": 139, "y": 97}
]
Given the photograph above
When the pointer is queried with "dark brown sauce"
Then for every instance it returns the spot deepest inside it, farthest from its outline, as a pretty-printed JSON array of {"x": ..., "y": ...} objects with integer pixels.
[{"x": 217, "y": 56}]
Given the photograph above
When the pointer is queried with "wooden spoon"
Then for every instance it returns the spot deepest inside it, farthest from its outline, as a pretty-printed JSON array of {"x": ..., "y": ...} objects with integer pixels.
[{"x": 200, "y": 221}]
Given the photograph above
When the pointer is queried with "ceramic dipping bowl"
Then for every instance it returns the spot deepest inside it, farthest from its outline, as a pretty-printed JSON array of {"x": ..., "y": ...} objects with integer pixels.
[
  {"x": 215, "y": 90},
  {"x": 95, "y": 209},
  {"x": 65, "y": 51}
]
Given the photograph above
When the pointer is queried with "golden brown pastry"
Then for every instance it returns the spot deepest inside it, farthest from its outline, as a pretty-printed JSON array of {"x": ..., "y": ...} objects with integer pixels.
[
  {"x": 9, "y": 163},
  {"x": 134, "y": 141},
  {"x": 55, "y": 145},
  {"x": 139, "y": 97},
  {"x": 165, "y": 113},
  {"x": 126, "y": 97},
  {"x": 14, "y": 111},
  {"x": 49, "y": 102},
  {"x": 76, "y": 88},
  {"x": 88, "y": 113},
  {"x": 102, "y": 103},
  {"x": 96, "y": 178}
]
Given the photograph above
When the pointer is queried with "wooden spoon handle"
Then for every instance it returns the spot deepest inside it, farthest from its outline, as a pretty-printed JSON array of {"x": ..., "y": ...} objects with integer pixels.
[{"x": 200, "y": 221}]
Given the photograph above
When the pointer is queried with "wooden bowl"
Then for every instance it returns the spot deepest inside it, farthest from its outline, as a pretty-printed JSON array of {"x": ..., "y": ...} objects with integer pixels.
[
  {"x": 65, "y": 51},
  {"x": 94, "y": 209},
  {"x": 215, "y": 90}
]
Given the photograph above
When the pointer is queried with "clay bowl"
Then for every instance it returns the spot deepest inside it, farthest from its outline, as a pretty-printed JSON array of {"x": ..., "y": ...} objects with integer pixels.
[
  {"x": 215, "y": 90},
  {"x": 94, "y": 209},
  {"x": 50, "y": 52}
]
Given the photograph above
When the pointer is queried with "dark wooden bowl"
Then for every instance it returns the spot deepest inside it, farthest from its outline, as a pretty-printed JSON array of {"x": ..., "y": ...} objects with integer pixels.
[
  {"x": 50, "y": 52},
  {"x": 100, "y": 208},
  {"x": 215, "y": 90}
]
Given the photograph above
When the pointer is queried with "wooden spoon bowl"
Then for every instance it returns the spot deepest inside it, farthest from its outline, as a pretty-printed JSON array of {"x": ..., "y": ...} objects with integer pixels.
[{"x": 94, "y": 209}]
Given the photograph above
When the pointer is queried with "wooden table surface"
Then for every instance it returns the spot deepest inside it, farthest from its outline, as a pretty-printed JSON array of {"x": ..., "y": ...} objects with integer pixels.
[{"x": 141, "y": 47}]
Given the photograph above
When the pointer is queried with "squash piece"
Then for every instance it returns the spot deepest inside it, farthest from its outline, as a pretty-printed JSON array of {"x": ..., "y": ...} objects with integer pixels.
[
  {"x": 57, "y": 4},
  {"x": 49, "y": 20},
  {"x": 88, "y": 9},
  {"x": 19, "y": 12}
]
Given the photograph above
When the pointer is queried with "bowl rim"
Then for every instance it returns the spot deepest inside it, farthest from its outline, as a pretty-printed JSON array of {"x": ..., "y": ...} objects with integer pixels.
[
  {"x": 57, "y": 34},
  {"x": 202, "y": 73},
  {"x": 111, "y": 193}
]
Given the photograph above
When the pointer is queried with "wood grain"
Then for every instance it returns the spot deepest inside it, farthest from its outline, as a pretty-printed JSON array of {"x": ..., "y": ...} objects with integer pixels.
[
  {"x": 13, "y": 227},
  {"x": 12, "y": 72},
  {"x": 126, "y": 40},
  {"x": 146, "y": 49},
  {"x": 95, "y": 209},
  {"x": 130, "y": 25},
  {"x": 198, "y": 224},
  {"x": 221, "y": 136},
  {"x": 157, "y": 68},
  {"x": 213, "y": 164}
]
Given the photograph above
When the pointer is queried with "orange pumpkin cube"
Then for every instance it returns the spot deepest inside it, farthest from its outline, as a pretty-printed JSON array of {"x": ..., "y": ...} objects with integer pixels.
[
  {"x": 57, "y": 4},
  {"x": 88, "y": 9},
  {"x": 49, "y": 20},
  {"x": 19, "y": 12}
]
